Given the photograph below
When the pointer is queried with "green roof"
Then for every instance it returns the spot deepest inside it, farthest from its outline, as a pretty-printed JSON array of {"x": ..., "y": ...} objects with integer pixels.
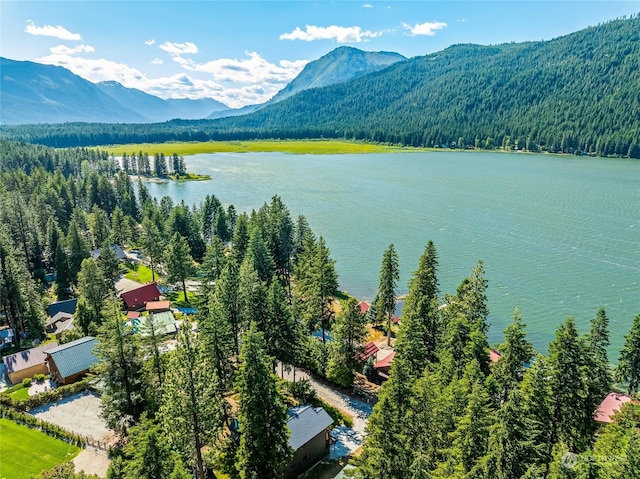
[
  {"x": 164, "y": 323},
  {"x": 74, "y": 357}
]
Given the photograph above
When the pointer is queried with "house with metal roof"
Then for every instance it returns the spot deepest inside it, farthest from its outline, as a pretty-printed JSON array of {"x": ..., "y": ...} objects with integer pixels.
[
  {"x": 137, "y": 298},
  {"x": 163, "y": 323},
  {"x": 26, "y": 364},
  {"x": 67, "y": 306},
  {"x": 69, "y": 362},
  {"x": 610, "y": 406},
  {"x": 309, "y": 438}
]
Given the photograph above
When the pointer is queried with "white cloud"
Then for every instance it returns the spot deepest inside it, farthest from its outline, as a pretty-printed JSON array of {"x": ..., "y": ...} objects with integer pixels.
[
  {"x": 253, "y": 69},
  {"x": 65, "y": 50},
  {"x": 176, "y": 49},
  {"x": 157, "y": 61},
  {"x": 235, "y": 82},
  {"x": 51, "y": 31},
  {"x": 340, "y": 34},
  {"x": 150, "y": 42},
  {"x": 367, "y": 5},
  {"x": 427, "y": 28}
]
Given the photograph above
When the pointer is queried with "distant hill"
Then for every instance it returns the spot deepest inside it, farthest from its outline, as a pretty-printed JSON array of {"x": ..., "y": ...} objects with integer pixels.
[
  {"x": 337, "y": 66},
  {"x": 37, "y": 93}
]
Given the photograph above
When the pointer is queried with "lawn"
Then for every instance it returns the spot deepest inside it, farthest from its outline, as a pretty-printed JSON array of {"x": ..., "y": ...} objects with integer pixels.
[
  {"x": 318, "y": 147},
  {"x": 140, "y": 273},
  {"x": 25, "y": 451}
]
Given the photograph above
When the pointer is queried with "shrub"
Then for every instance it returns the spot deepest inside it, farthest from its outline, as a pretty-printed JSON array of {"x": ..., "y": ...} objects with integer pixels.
[
  {"x": 26, "y": 382},
  {"x": 39, "y": 377}
]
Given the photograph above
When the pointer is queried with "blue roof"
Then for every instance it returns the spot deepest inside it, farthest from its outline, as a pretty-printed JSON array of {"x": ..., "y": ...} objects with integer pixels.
[
  {"x": 74, "y": 357},
  {"x": 67, "y": 306},
  {"x": 305, "y": 423}
]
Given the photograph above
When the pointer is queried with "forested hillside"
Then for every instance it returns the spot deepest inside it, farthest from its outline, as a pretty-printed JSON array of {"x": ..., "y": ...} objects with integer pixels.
[
  {"x": 577, "y": 93},
  {"x": 450, "y": 407}
]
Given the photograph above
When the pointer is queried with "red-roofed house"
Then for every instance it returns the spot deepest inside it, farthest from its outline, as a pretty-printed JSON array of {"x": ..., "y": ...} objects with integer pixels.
[
  {"x": 137, "y": 298},
  {"x": 370, "y": 349},
  {"x": 384, "y": 365},
  {"x": 133, "y": 314},
  {"x": 494, "y": 356},
  {"x": 611, "y": 405},
  {"x": 364, "y": 307}
]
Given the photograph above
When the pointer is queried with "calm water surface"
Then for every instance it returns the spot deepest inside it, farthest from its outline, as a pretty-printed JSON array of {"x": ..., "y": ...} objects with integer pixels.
[{"x": 559, "y": 236}]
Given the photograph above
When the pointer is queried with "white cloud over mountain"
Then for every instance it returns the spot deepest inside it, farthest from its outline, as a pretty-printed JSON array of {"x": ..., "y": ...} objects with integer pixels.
[
  {"x": 353, "y": 34},
  {"x": 427, "y": 28}
]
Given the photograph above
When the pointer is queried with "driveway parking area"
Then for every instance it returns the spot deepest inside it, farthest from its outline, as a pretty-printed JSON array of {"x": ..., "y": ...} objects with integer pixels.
[{"x": 79, "y": 413}]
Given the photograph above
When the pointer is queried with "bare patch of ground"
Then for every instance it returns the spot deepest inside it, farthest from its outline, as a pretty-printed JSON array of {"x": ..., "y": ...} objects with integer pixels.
[
  {"x": 92, "y": 461},
  {"x": 79, "y": 413}
]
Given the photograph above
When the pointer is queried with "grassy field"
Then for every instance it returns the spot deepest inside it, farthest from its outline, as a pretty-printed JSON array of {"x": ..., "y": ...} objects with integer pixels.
[
  {"x": 301, "y": 147},
  {"x": 25, "y": 451},
  {"x": 141, "y": 274}
]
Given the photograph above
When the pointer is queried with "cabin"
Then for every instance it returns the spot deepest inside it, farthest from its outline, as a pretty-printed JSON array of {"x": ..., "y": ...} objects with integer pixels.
[
  {"x": 158, "y": 306},
  {"x": 364, "y": 307},
  {"x": 27, "y": 364},
  {"x": 70, "y": 362},
  {"x": 370, "y": 350},
  {"x": 309, "y": 438},
  {"x": 163, "y": 323},
  {"x": 610, "y": 406},
  {"x": 494, "y": 356},
  {"x": 137, "y": 298},
  {"x": 59, "y": 323},
  {"x": 117, "y": 249},
  {"x": 67, "y": 306},
  {"x": 384, "y": 366}
]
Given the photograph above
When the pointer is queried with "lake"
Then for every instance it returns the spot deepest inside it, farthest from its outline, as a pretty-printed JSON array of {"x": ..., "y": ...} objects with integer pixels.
[{"x": 559, "y": 236}]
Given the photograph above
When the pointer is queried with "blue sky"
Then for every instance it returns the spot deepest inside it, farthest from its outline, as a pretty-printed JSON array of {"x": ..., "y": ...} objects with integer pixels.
[{"x": 241, "y": 52}]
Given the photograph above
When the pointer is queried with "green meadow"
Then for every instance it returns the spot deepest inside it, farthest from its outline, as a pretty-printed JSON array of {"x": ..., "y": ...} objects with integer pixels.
[
  {"x": 25, "y": 451},
  {"x": 298, "y": 147}
]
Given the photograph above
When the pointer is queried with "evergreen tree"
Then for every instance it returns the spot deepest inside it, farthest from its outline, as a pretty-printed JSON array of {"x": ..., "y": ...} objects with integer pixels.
[
  {"x": 570, "y": 414},
  {"x": 178, "y": 262},
  {"x": 252, "y": 296},
  {"x": 510, "y": 448},
  {"x": 191, "y": 412},
  {"x": 109, "y": 266},
  {"x": 420, "y": 329},
  {"x": 152, "y": 244},
  {"x": 240, "y": 240},
  {"x": 213, "y": 262},
  {"x": 281, "y": 330},
  {"x": 228, "y": 295},
  {"x": 93, "y": 289},
  {"x": 217, "y": 338},
  {"x": 264, "y": 446},
  {"x": 120, "y": 370},
  {"x": 389, "y": 276},
  {"x": 148, "y": 451},
  {"x": 472, "y": 298},
  {"x": 155, "y": 367},
  {"x": 516, "y": 352},
  {"x": 629, "y": 360},
  {"x": 78, "y": 250},
  {"x": 385, "y": 453},
  {"x": 349, "y": 331},
  {"x": 259, "y": 257}
]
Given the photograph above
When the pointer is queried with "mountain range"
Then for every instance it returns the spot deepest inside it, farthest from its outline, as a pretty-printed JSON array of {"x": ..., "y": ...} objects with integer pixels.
[
  {"x": 37, "y": 93},
  {"x": 579, "y": 93}
]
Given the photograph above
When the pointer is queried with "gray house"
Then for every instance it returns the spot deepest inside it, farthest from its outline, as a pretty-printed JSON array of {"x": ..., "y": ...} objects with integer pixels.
[
  {"x": 309, "y": 438},
  {"x": 69, "y": 362}
]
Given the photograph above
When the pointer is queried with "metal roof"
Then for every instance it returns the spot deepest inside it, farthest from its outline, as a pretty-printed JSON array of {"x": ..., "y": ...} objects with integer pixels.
[
  {"x": 305, "y": 423},
  {"x": 26, "y": 359},
  {"x": 74, "y": 357}
]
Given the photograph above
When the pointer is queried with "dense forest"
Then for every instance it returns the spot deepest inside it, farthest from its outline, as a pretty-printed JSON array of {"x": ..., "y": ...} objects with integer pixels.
[
  {"x": 574, "y": 94},
  {"x": 266, "y": 283}
]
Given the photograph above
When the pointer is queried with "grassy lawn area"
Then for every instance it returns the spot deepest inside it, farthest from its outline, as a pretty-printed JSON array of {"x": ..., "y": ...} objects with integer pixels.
[
  {"x": 140, "y": 273},
  {"x": 25, "y": 451},
  {"x": 318, "y": 147},
  {"x": 177, "y": 298},
  {"x": 20, "y": 393}
]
